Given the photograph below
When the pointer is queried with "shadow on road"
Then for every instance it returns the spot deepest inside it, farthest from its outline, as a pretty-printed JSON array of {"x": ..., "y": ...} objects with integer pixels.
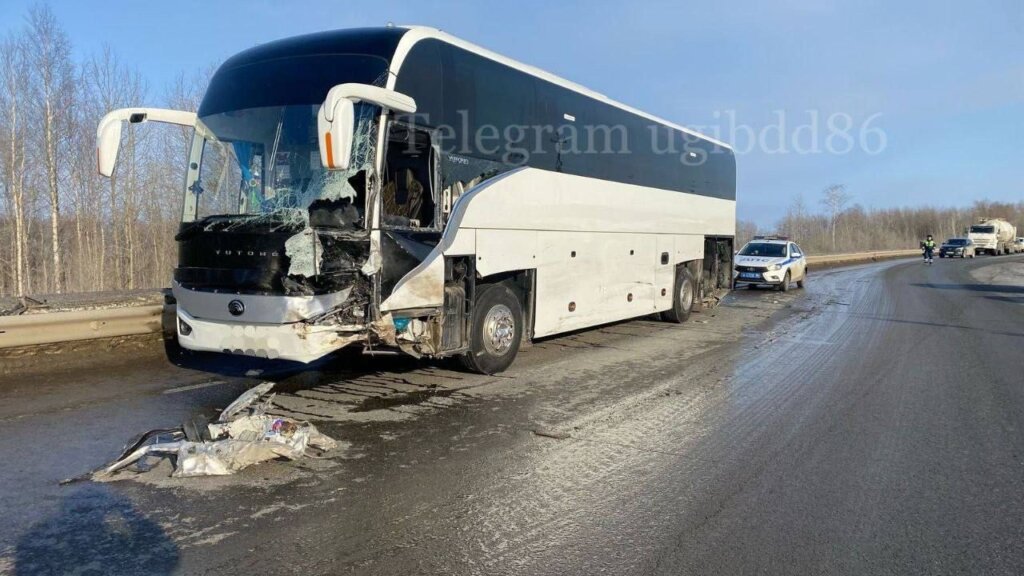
[
  {"x": 939, "y": 325},
  {"x": 95, "y": 531},
  {"x": 975, "y": 287},
  {"x": 1010, "y": 299},
  {"x": 291, "y": 377}
]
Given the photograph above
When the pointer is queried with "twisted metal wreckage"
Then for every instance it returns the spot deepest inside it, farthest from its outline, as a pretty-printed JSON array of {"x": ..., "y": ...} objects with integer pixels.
[
  {"x": 329, "y": 260},
  {"x": 243, "y": 435}
]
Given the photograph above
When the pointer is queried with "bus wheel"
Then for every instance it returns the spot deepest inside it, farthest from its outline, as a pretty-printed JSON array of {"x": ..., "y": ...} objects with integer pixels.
[
  {"x": 496, "y": 330},
  {"x": 682, "y": 303}
]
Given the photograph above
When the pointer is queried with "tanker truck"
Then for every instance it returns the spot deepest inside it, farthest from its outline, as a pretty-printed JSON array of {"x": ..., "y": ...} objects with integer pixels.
[{"x": 993, "y": 236}]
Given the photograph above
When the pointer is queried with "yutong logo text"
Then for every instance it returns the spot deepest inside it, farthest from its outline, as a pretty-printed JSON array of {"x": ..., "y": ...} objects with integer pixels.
[{"x": 245, "y": 253}]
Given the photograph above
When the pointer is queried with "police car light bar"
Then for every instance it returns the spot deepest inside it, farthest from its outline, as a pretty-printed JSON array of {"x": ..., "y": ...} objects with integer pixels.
[{"x": 771, "y": 237}]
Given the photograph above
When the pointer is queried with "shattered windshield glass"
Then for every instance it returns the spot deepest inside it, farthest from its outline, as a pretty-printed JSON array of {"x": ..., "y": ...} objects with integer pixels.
[{"x": 266, "y": 162}]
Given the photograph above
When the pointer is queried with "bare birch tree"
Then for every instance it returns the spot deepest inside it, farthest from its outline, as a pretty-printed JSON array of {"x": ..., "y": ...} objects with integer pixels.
[
  {"x": 13, "y": 90},
  {"x": 49, "y": 52},
  {"x": 835, "y": 199}
]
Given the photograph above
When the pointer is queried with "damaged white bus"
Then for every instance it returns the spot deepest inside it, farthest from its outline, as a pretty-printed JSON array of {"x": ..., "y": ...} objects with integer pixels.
[{"x": 401, "y": 189}]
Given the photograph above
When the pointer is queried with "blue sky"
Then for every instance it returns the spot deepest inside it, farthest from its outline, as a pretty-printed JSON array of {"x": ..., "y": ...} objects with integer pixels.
[{"x": 943, "y": 80}]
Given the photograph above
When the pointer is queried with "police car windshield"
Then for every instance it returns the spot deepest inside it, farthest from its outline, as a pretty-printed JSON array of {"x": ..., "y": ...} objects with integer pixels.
[{"x": 764, "y": 249}]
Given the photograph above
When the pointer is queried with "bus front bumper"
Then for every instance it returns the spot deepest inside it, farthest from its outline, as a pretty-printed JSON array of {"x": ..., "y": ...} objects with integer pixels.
[{"x": 298, "y": 341}]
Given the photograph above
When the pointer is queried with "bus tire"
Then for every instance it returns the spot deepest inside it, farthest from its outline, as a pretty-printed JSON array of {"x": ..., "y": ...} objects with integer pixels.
[
  {"x": 496, "y": 330},
  {"x": 683, "y": 295}
]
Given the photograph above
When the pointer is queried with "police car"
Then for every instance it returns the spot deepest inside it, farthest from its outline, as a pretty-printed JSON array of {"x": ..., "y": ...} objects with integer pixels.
[{"x": 773, "y": 260}]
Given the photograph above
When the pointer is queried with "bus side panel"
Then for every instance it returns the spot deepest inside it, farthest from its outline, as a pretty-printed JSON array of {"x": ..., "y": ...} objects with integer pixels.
[
  {"x": 627, "y": 275},
  {"x": 688, "y": 248},
  {"x": 541, "y": 200},
  {"x": 664, "y": 272},
  {"x": 505, "y": 250},
  {"x": 590, "y": 278},
  {"x": 602, "y": 221},
  {"x": 568, "y": 293}
]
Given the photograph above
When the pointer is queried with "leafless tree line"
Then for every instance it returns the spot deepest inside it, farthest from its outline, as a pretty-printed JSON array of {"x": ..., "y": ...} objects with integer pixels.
[
  {"x": 840, "y": 227},
  {"x": 63, "y": 228}
]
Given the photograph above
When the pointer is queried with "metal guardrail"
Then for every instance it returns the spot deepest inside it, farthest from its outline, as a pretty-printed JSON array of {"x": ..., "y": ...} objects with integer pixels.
[
  {"x": 56, "y": 327},
  {"x": 859, "y": 257}
]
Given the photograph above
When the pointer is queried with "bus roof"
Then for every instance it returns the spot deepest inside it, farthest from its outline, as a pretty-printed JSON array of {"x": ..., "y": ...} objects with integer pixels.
[
  {"x": 417, "y": 33},
  {"x": 392, "y": 44}
]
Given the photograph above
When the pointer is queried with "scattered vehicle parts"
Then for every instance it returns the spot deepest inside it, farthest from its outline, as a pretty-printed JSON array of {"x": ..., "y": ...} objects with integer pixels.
[
  {"x": 24, "y": 305},
  {"x": 243, "y": 435}
]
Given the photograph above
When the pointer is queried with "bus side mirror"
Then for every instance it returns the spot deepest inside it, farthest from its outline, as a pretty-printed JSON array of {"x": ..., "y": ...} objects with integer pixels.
[
  {"x": 336, "y": 119},
  {"x": 108, "y": 140},
  {"x": 336, "y": 134},
  {"x": 108, "y": 135}
]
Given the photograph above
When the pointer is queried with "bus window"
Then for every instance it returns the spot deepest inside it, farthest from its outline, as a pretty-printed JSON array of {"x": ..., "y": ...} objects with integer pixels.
[{"x": 408, "y": 197}]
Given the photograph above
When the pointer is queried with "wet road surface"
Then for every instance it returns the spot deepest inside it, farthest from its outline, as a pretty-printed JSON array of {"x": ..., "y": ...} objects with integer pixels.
[{"x": 873, "y": 423}]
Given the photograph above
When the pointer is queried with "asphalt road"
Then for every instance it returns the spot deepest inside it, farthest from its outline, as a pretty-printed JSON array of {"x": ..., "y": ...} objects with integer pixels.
[{"x": 870, "y": 424}]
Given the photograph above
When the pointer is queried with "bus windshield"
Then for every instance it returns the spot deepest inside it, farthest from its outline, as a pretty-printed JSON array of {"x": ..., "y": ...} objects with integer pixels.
[{"x": 266, "y": 161}]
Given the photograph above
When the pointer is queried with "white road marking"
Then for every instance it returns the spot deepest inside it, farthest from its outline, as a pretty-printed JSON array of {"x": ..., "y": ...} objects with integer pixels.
[{"x": 193, "y": 386}]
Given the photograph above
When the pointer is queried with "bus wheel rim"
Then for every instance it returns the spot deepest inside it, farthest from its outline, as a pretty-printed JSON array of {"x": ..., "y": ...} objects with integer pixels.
[
  {"x": 685, "y": 295},
  {"x": 499, "y": 330}
]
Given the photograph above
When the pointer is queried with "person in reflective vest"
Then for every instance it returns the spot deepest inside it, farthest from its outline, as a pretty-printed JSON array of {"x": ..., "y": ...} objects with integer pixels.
[{"x": 928, "y": 246}]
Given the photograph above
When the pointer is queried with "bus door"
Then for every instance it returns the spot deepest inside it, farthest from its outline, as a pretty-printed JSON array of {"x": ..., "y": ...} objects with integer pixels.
[{"x": 409, "y": 202}]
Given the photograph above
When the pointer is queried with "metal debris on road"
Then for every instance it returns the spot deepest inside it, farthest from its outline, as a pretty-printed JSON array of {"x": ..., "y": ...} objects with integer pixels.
[
  {"x": 248, "y": 400},
  {"x": 243, "y": 435},
  {"x": 24, "y": 305}
]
